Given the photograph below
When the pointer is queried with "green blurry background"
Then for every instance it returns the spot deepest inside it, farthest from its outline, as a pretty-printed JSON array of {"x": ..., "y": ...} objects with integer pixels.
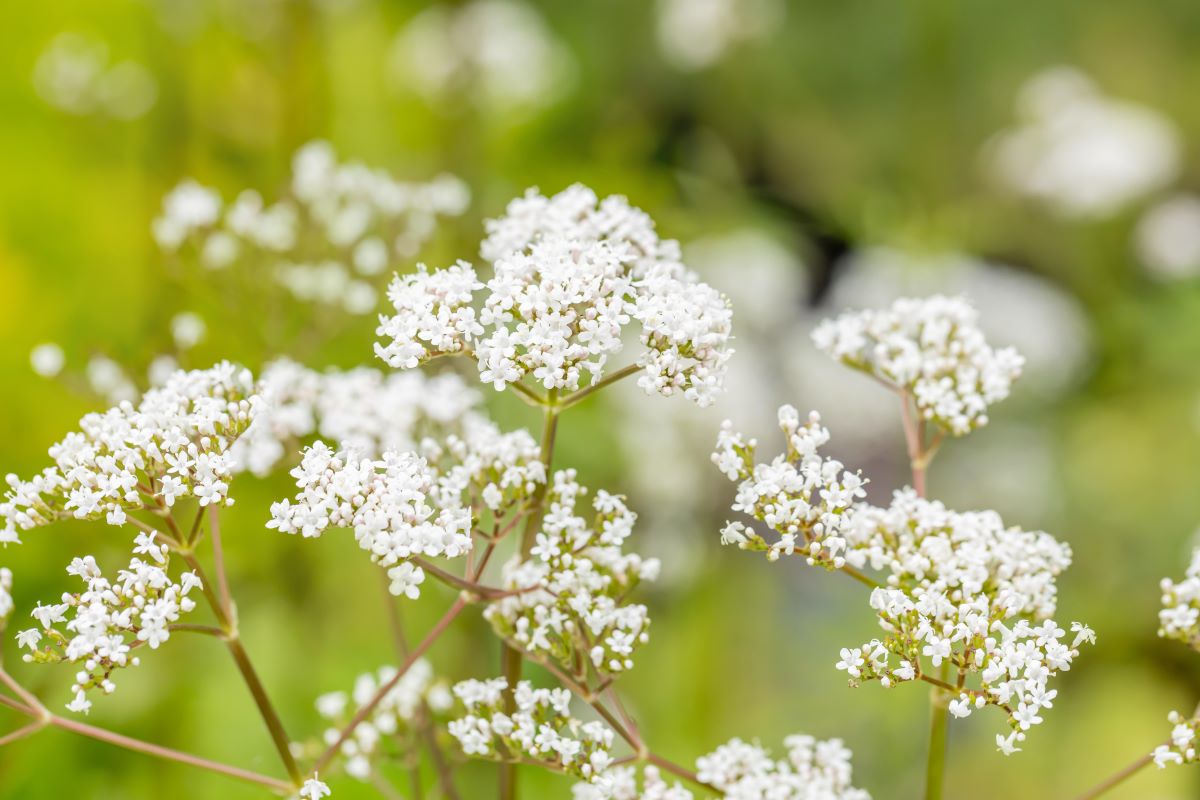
[{"x": 838, "y": 126}]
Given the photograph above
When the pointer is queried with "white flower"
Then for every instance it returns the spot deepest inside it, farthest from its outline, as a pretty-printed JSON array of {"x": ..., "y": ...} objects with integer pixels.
[
  {"x": 572, "y": 591},
  {"x": 187, "y": 328},
  {"x": 695, "y": 34},
  {"x": 314, "y": 789},
  {"x": 173, "y": 444},
  {"x": 47, "y": 359},
  {"x": 571, "y": 273},
  {"x": 812, "y": 769},
  {"x": 540, "y": 727},
  {"x": 801, "y": 495},
  {"x": 1080, "y": 152},
  {"x": 1179, "y": 618},
  {"x": 1182, "y": 747},
  {"x": 406, "y": 580},
  {"x": 102, "y": 625},
  {"x": 930, "y": 348}
]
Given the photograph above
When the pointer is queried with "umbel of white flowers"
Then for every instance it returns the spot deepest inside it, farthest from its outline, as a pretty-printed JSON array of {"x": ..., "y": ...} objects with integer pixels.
[
  {"x": 570, "y": 274},
  {"x": 961, "y": 591},
  {"x": 1179, "y": 619}
]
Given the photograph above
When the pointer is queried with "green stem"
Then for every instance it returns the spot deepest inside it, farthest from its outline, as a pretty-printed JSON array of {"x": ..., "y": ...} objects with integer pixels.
[
  {"x": 935, "y": 766},
  {"x": 575, "y": 397},
  {"x": 511, "y": 658}
]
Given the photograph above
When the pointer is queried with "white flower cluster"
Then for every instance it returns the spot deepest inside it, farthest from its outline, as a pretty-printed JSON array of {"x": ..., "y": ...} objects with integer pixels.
[
  {"x": 696, "y": 34},
  {"x": 540, "y": 728},
  {"x": 931, "y": 348},
  {"x": 499, "y": 52},
  {"x": 1081, "y": 152},
  {"x": 964, "y": 589},
  {"x": 415, "y": 694},
  {"x": 363, "y": 410},
  {"x": 110, "y": 618},
  {"x": 621, "y": 783},
  {"x": 802, "y": 496},
  {"x": 570, "y": 601},
  {"x": 813, "y": 770},
  {"x": 340, "y": 226},
  {"x": 1182, "y": 747},
  {"x": 6, "y": 598},
  {"x": 391, "y": 504},
  {"x": 1179, "y": 618},
  {"x": 1168, "y": 238},
  {"x": 75, "y": 75},
  {"x": 571, "y": 272},
  {"x": 174, "y": 443}
]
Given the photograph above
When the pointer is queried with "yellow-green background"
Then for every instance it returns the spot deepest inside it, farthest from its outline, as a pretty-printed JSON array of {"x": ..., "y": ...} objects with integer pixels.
[{"x": 869, "y": 113}]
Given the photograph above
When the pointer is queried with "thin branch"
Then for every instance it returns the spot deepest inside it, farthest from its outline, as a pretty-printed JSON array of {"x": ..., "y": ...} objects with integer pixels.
[
  {"x": 620, "y": 374},
  {"x": 22, "y": 732},
  {"x": 365, "y": 710},
  {"x": 214, "y": 527}
]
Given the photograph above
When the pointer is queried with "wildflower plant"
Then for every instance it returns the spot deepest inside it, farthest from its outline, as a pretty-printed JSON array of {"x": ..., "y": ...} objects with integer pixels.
[{"x": 576, "y": 293}]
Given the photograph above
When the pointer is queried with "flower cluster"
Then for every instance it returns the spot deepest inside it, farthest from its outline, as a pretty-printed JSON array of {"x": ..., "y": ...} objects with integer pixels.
[
  {"x": 339, "y": 227},
  {"x": 931, "y": 348},
  {"x": 570, "y": 274},
  {"x": 1082, "y": 152},
  {"x": 76, "y": 75},
  {"x": 539, "y": 728},
  {"x": 813, "y": 770},
  {"x": 568, "y": 600},
  {"x": 174, "y": 443},
  {"x": 394, "y": 718},
  {"x": 363, "y": 410},
  {"x": 1182, "y": 747},
  {"x": 621, "y": 783},
  {"x": 802, "y": 496},
  {"x": 500, "y": 53},
  {"x": 970, "y": 595},
  {"x": 391, "y": 504},
  {"x": 6, "y": 598},
  {"x": 1179, "y": 618},
  {"x": 101, "y": 626}
]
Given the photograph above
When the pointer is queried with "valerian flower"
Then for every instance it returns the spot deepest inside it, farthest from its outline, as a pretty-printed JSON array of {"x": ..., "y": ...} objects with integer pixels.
[
  {"x": 930, "y": 348},
  {"x": 100, "y": 627},
  {"x": 569, "y": 595},
  {"x": 540, "y": 728},
  {"x": 174, "y": 443},
  {"x": 812, "y": 770},
  {"x": 1179, "y": 618},
  {"x": 569, "y": 276},
  {"x": 394, "y": 718},
  {"x": 803, "y": 496}
]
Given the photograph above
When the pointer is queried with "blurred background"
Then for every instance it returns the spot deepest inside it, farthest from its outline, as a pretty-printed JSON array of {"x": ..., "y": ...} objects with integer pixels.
[{"x": 810, "y": 157}]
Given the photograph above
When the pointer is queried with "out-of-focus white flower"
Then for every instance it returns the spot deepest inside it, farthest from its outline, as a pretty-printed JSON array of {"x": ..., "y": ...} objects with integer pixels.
[
  {"x": 106, "y": 378},
  {"x": 187, "y": 329},
  {"x": 1168, "y": 238},
  {"x": 161, "y": 369},
  {"x": 499, "y": 52},
  {"x": 1080, "y": 152},
  {"x": 47, "y": 359},
  {"x": 73, "y": 74},
  {"x": 356, "y": 220},
  {"x": 694, "y": 34},
  {"x": 1179, "y": 618}
]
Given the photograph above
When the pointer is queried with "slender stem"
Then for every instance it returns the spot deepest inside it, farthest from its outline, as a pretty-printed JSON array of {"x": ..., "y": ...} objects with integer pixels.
[
  {"x": 511, "y": 658},
  {"x": 575, "y": 397},
  {"x": 365, "y": 710},
  {"x": 456, "y": 582},
  {"x": 935, "y": 766},
  {"x": 22, "y": 732},
  {"x": 1115, "y": 780},
  {"x": 214, "y": 527},
  {"x": 678, "y": 771},
  {"x": 860, "y": 577},
  {"x": 1126, "y": 772},
  {"x": 528, "y": 395},
  {"x": 425, "y": 724},
  {"x": 171, "y": 755},
  {"x": 233, "y": 641},
  {"x": 914, "y": 436},
  {"x": 34, "y": 705}
]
